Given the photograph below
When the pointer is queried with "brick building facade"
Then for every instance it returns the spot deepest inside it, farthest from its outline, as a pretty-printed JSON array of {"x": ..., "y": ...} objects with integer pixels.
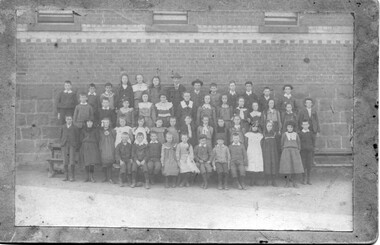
[{"x": 315, "y": 56}]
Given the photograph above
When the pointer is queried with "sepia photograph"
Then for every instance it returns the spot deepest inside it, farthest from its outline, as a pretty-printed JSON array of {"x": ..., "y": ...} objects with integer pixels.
[{"x": 199, "y": 115}]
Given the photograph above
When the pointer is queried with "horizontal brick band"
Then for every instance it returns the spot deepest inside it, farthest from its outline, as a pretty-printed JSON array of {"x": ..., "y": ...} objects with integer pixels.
[{"x": 104, "y": 37}]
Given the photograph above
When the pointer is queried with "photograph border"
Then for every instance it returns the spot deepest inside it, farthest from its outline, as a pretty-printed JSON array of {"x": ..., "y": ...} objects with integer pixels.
[{"x": 365, "y": 168}]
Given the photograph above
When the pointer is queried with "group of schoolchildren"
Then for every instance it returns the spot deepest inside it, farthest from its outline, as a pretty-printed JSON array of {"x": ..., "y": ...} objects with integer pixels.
[{"x": 182, "y": 134}]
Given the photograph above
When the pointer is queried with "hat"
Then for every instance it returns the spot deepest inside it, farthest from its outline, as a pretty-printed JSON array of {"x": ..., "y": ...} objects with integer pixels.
[
  {"x": 176, "y": 75},
  {"x": 196, "y": 81},
  {"x": 202, "y": 136}
]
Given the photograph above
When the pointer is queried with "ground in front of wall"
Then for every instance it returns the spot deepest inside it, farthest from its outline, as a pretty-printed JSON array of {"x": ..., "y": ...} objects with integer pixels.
[{"x": 325, "y": 205}]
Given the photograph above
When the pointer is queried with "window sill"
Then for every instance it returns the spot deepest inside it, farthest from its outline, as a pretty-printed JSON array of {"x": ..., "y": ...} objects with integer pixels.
[{"x": 171, "y": 28}]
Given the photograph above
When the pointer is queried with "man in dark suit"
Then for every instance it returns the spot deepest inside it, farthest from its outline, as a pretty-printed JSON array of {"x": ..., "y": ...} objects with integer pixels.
[
  {"x": 69, "y": 144},
  {"x": 174, "y": 93}
]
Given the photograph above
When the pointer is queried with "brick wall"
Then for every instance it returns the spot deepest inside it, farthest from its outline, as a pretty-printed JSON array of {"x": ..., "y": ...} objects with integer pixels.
[{"x": 320, "y": 69}]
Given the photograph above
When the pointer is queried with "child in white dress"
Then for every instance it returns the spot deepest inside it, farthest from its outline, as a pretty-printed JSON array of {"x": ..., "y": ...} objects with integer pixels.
[{"x": 254, "y": 154}]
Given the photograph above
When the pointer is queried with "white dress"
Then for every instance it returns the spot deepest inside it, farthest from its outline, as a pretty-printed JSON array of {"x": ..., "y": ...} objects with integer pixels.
[{"x": 254, "y": 152}]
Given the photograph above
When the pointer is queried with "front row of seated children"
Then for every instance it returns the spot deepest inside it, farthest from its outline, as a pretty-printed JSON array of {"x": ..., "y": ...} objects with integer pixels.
[{"x": 179, "y": 162}]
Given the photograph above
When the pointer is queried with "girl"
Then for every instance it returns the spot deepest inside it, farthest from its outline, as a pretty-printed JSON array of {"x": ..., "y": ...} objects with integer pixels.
[
  {"x": 169, "y": 163},
  {"x": 290, "y": 162},
  {"x": 255, "y": 117},
  {"x": 188, "y": 128},
  {"x": 242, "y": 112},
  {"x": 185, "y": 157},
  {"x": 139, "y": 88},
  {"x": 124, "y": 92},
  {"x": 206, "y": 110},
  {"x": 141, "y": 128},
  {"x": 107, "y": 149},
  {"x": 108, "y": 94},
  {"x": 225, "y": 112},
  {"x": 127, "y": 112},
  {"x": 155, "y": 90},
  {"x": 172, "y": 129},
  {"x": 164, "y": 110},
  {"x": 288, "y": 116},
  {"x": 121, "y": 129},
  {"x": 159, "y": 130},
  {"x": 254, "y": 153},
  {"x": 146, "y": 110},
  {"x": 271, "y": 114},
  {"x": 221, "y": 131},
  {"x": 206, "y": 130},
  {"x": 270, "y": 153},
  {"x": 287, "y": 99},
  {"x": 90, "y": 149}
]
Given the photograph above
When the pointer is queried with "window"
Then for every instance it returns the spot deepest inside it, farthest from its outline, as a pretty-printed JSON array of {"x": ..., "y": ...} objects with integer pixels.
[
  {"x": 170, "y": 17},
  {"x": 280, "y": 19},
  {"x": 61, "y": 17}
]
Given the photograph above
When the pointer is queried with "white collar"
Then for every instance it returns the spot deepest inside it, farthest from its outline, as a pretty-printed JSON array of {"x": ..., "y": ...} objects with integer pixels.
[
  {"x": 105, "y": 108},
  {"x": 289, "y": 112},
  {"x": 94, "y": 93},
  {"x": 288, "y": 96},
  {"x": 232, "y": 92},
  {"x": 124, "y": 86},
  {"x": 305, "y": 131},
  {"x": 236, "y": 143},
  {"x": 237, "y": 126},
  {"x": 241, "y": 108},
  {"x": 203, "y": 145},
  {"x": 197, "y": 92},
  {"x": 267, "y": 98},
  {"x": 84, "y": 103},
  {"x": 248, "y": 93},
  {"x": 206, "y": 106},
  {"x": 141, "y": 143},
  {"x": 183, "y": 104},
  {"x": 68, "y": 126},
  {"x": 308, "y": 109},
  {"x": 291, "y": 136},
  {"x": 152, "y": 142},
  {"x": 68, "y": 91}
]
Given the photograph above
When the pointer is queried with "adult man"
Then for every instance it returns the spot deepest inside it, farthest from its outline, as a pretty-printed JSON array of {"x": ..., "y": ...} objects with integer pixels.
[{"x": 174, "y": 93}]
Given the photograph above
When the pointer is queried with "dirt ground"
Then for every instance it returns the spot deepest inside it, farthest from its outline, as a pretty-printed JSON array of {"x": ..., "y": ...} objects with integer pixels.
[{"x": 325, "y": 205}]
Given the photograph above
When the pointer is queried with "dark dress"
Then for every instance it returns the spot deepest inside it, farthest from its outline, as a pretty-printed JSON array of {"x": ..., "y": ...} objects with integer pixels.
[
  {"x": 290, "y": 162},
  {"x": 193, "y": 139},
  {"x": 124, "y": 94},
  {"x": 270, "y": 153},
  {"x": 107, "y": 146},
  {"x": 174, "y": 95},
  {"x": 90, "y": 148},
  {"x": 287, "y": 117}
]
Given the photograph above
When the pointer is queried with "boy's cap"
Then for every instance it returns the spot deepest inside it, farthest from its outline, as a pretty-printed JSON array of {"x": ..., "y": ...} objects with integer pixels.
[
  {"x": 197, "y": 81},
  {"x": 202, "y": 136}
]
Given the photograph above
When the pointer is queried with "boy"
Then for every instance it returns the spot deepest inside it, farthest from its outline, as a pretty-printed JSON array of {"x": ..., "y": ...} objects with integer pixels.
[
  {"x": 139, "y": 157},
  {"x": 214, "y": 95},
  {"x": 159, "y": 131},
  {"x": 202, "y": 156},
  {"x": 108, "y": 94},
  {"x": 232, "y": 95},
  {"x": 221, "y": 131},
  {"x": 237, "y": 129},
  {"x": 69, "y": 140},
  {"x": 287, "y": 98},
  {"x": 154, "y": 157},
  {"x": 123, "y": 155},
  {"x": 221, "y": 162},
  {"x": 206, "y": 130},
  {"x": 106, "y": 112},
  {"x": 83, "y": 111},
  {"x": 238, "y": 161},
  {"x": 309, "y": 114},
  {"x": 264, "y": 99},
  {"x": 249, "y": 96},
  {"x": 185, "y": 109},
  {"x": 307, "y": 139},
  {"x": 93, "y": 100},
  {"x": 66, "y": 102}
]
